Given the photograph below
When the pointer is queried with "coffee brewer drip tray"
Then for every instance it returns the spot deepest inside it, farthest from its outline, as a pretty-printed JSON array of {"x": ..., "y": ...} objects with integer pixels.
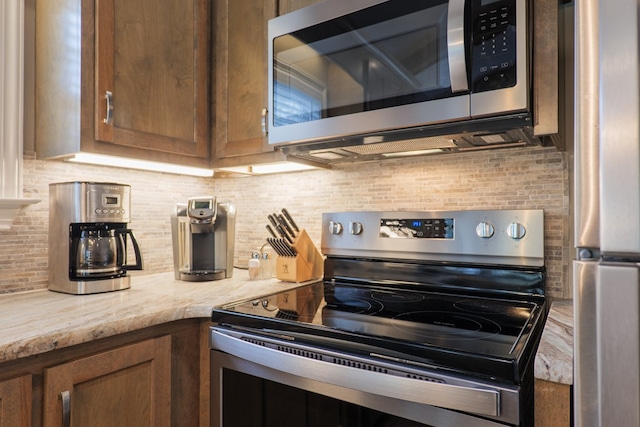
[{"x": 202, "y": 275}]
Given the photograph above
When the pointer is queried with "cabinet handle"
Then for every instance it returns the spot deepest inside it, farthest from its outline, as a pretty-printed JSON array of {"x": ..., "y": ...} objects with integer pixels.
[
  {"x": 108, "y": 96},
  {"x": 264, "y": 121},
  {"x": 66, "y": 408}
]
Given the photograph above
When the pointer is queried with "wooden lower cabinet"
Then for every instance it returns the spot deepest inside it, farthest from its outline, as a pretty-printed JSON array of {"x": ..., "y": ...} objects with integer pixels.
[
  {"x": 15, "y": 402},
  {"x": 127, "y": 386},
  {"x": 553, "y": 404},
  {"x": 158, "y": 376}
]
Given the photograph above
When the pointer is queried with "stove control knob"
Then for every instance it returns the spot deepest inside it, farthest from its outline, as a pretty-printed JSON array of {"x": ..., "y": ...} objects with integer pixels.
[
  {"x": 515, "y": 230},
  {"x": 335, "y": 227},
  {"x": 485, "y": 230},
  {"x": 355, "y": 228}
]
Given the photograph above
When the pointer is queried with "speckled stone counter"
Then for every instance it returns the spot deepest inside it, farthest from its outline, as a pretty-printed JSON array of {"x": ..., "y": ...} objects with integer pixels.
[
  {"x": 554, "y": 361},
  {"x": 41, "y": 321}
]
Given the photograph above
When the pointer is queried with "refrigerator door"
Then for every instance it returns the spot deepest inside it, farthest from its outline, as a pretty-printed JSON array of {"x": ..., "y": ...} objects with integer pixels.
[
  {"x": 585, "y": 379},
  {"x": 619, "y": 128},
  {"x": 618, "y": 338},
  {"x": 587, "y": 157}
]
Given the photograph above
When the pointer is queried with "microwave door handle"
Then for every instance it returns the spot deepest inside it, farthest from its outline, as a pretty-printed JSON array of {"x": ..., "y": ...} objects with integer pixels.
[{"x": 455, "y": 46}]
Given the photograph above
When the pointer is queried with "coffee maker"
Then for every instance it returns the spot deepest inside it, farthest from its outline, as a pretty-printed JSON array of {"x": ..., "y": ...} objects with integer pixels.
[
  {"x": 88, "y": 237},
  {"x": 203, "y": 233}
]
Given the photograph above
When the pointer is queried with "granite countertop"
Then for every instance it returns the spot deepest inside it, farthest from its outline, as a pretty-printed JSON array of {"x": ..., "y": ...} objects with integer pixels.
[
  {"x": 41, "y": 321},
  {"x": 554, "y": 361}
]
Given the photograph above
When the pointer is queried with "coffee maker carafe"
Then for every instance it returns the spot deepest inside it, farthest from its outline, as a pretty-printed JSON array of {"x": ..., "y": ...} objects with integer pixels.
[
  {"x": 88, "y": 237},
  {"x": 203, "y": 233}
]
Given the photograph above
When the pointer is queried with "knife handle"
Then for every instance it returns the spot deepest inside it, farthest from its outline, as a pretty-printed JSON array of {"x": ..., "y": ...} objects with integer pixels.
[{"x": 290, "y": 219}]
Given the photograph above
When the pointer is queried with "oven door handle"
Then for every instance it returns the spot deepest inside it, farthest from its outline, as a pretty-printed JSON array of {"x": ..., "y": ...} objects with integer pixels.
[{"x": 473, "y": 400}]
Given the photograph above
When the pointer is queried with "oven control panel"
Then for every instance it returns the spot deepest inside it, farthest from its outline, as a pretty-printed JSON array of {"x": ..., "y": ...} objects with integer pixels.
[
  {"x": 511, "y": 237},
  {"x": 417, "y": 228}
]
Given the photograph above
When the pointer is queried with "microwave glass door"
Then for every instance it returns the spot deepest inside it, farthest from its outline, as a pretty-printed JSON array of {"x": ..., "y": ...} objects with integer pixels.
[{"x": 387, "y": 55}]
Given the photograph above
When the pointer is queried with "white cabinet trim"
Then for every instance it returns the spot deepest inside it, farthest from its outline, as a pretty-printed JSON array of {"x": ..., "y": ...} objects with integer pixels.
[{"x": 11, "y": 110}]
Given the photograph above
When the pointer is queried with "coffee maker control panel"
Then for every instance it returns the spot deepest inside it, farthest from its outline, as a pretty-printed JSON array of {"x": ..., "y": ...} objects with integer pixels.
[
  {"x": 202, "y": 209},
  {"x": 108, "y": 203}
]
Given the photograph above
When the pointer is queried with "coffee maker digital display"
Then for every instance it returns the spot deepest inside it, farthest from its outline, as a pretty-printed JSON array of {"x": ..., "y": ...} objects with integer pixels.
[{"x": 91, "y": 220}]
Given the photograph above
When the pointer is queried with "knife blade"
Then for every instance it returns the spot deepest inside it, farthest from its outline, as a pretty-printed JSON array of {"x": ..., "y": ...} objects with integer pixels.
[{"x": 290, "y": 220}]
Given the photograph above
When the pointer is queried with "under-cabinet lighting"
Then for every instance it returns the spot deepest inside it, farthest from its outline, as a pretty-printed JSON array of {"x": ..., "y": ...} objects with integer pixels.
[
  {"x": 122, "y": 162},
  {"x": 412, "y": 153},
  {"x": 266, "y": 168}
]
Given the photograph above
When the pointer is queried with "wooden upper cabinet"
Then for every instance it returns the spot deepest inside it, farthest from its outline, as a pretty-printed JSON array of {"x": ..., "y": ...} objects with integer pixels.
[
  {"x": 15, "y": 402},
  {"x": 147, "y": 59},
  {"x": 286, "y": 6},
  {"x": 241, "y": 88},
  {"x": 241, "y": 76},
  {"x": 122, "y": 77}
]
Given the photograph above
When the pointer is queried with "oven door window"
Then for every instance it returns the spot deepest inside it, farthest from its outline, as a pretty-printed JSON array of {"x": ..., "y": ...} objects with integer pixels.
[{"x": 387, "y": 55}]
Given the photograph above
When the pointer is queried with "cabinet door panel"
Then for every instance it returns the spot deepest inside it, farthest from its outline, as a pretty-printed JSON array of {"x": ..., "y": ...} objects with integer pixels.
[
  {"x": 286, "y": 6},
  {"x": 128, "y": 386},
  {"x": 241, "y": 76},
  {"x": 152, "y": 56},
  {"x": 15, "y": 402}
]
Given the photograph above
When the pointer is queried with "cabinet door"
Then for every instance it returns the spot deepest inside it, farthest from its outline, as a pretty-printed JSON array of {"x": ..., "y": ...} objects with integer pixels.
[
  {"x": 286, "y": 6},
  {"x": 152, "y": 66},
  {"x": 15, "y": 402},
  {"x": 127, "y": 386},
  {"x": 241, "y": 76}
]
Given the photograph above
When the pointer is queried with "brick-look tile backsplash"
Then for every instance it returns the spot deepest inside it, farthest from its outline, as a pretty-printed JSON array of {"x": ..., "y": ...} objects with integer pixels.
[{"x": 530, "y": 178}]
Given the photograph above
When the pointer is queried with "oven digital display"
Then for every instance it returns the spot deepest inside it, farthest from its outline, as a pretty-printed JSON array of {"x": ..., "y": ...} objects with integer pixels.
[{"x": 424, "y": 228}]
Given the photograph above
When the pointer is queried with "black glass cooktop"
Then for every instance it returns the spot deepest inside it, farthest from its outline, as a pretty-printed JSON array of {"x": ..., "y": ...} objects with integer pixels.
[{"x": 486, "y": 336}]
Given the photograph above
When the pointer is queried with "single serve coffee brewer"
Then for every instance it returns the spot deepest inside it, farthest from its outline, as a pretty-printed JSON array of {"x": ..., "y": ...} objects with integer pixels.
[{"x": 203, "y": 232}]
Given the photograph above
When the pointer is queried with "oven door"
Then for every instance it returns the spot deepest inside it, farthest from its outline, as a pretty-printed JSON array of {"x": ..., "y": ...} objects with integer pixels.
[{"x": 429, "y": 398}]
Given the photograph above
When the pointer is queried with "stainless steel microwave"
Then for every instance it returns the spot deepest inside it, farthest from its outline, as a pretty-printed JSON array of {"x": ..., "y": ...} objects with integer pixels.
[{"x": 370, "y": 73}]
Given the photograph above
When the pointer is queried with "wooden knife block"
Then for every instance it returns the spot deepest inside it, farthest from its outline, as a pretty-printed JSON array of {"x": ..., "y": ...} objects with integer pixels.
[{"x": 308, "y": 264}]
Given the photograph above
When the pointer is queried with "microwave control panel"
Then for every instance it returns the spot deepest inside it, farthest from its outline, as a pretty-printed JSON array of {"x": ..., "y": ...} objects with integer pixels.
[{"x": 493, "y": 46}]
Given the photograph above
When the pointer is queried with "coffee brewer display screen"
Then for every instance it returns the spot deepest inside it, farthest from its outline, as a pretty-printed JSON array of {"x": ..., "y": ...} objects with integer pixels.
[
  {"x": 202, "y": 208},
  {"x": 198, "y": 204},
  {"x": 111, "y": 200}
]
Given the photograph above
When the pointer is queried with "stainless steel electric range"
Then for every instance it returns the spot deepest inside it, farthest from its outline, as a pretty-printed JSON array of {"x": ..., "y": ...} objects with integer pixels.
[{"x": 426, "y": 318}]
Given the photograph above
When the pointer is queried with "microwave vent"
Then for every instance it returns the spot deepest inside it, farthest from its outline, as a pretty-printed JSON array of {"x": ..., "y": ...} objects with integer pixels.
[{"x": 428, "y": 143}]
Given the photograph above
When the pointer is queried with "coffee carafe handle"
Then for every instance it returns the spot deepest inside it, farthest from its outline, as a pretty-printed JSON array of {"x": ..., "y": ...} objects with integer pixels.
[{"x": 136, "y": 249}]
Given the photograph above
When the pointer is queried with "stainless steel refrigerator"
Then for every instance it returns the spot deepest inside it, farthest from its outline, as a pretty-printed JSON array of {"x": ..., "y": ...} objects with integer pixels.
[{"x": 607, "y": 214}]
